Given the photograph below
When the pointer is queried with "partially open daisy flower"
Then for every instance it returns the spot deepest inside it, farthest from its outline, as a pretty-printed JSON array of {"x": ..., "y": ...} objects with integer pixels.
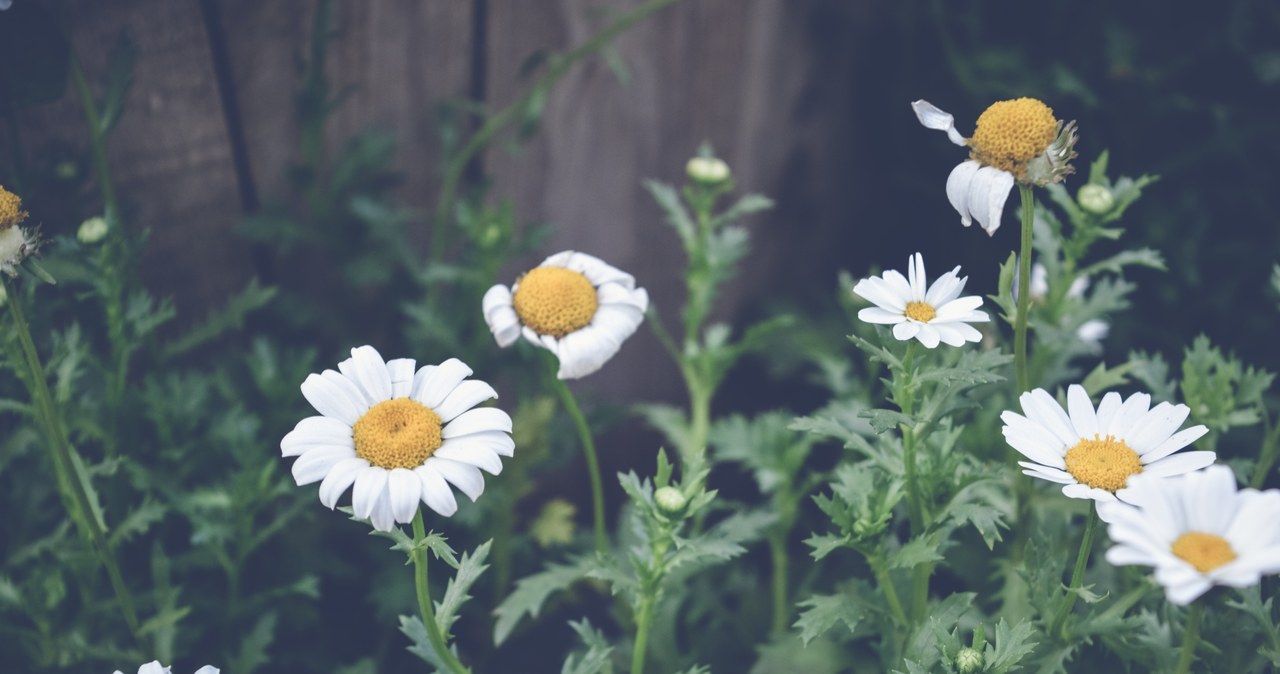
[
  {"x": 1197, "y": 530},
  {"x": 1093, "y": 453},
  {"x": 574, "y": 305},
  {"x": 1014, "y": 141},
  {"x": 399, "y": 435},
  {"x": 932, "y": 314},
  {"x": 16, "y": 243},
  {"x": 154, "y": 667}
]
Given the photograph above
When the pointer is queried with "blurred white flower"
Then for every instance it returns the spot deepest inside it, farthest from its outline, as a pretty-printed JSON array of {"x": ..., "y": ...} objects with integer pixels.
[
  {"x": 1092, "y": 331},
  {"x": 1014, "y": 141},
  {"x": 1094, "y": 453},
  {"x": 399, "y": 435},
  {"x": 1197, "y": 530},
  {"x": 16, "y": 243},
  {"x": 932, "y": 314},
  {"x": 154, "y": 667},
  {"x": 92, "y": 230},
  {"x": 574, "y": 305}
]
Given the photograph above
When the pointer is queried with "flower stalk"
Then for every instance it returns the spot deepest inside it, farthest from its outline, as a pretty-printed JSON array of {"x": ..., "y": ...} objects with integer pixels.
[
  {"x": 1077, "y": 574},
  {"x": 570, "y": 404},
  {"x": 423, "y": 587},
  {"x": 1024, "y": 289},
  {"x": 1190, "y": 638}
]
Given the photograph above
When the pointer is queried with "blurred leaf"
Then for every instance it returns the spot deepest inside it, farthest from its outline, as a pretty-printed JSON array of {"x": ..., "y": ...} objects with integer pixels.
[
  {"x": 120, "y": 63},
  {"x": 820, "y": 613},
  {"x": 253, "y": 647},
  {"x": 469, "y": 569},
  {"x": 596, "y": 658},
  {"x": 1011, "y": 646},
  {"x": 532, "y": 592},
  {"x": 229, "y": 317}
]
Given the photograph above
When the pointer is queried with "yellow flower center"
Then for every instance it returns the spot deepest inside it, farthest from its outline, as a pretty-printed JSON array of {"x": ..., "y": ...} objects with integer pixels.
[
  {"x": 920, "y": 311},
  {"x": 11, "y": 212},
  {"x": 555, "y": 301},
  {"x": 397, "y": 433},
  {"x": 1011, "y": 133},
  {"x": 1103, "y": 463},
  {"x": 1204, "y": 551}
]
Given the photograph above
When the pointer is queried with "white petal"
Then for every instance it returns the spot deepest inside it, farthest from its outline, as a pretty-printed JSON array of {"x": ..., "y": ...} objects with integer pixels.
[
  {"x": 1156, "y": 426},
  {"x": 1047, "y": 473},
  {"x": 933, "y": 117},
  {"x": 987, "y": 193},
  {"x": 1185, "y": 591},
  {"x": 316, "y": 432},
  {"x": 879, "y": 292},
  {"x": 1123, "y": 555},
  {"x": 1179, "y": 464},
  {"x": 916, "y": 277},
  {"x": 381, "y": 517},
  {"x": 1033, "y": 446},
  {"x": 441, "y": 382},
  {"x": 404, "y": 489},
  {"x": 616, "y": 293},
  {"x": 958, "y": 307},
  {"x": 339, "y": 480},
  {"x": 371, "y": 372},
  {"x": 898, "y": 285},
  {"x": 958, "y": 184},
  {"x": 153, "y": 667},
  {"x": 1175, "y": 442},
  {"x": 906, "y": 330},
  {"x": 465, "y": 477},
  {"x": 401, "y": 371},
  {"x": 332, "y": 398},
  {"x": 504, "y": 323},
  {"x": 949, "y": 334},
  {"x": 1129, "y": 414},
  {"x": 1041, "y": 408},
  {"x": 1107, "y": 411},
  {"x": 584, "y": 352},
  {"x": 207, "y": 669},
  {"x": 928, "y": 336},
  {"x": 371, "y": 483},
  {"x": 880, "y": 316},
  {"x": 498, "y": 442},
  {"x": 476, "y": 421},
  {"x": 945, "y": 289},
  {"x": 497, "y": 297},
  {"x": 479, "y": 455},
  {"x": 1083, "y": 417},
  {"x": 315, "y": 464},
  {"x": 420, "y": 378},
  {"x": 435, "y": 491},
  {"x": 465, "y": 396},
  {"x": 1084, "y": 491}
]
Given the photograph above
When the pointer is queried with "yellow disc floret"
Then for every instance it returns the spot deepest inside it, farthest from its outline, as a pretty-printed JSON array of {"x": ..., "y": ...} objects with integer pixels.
[
  {"x": 920, "y": 311},
  {"x": 1204, "y": 551},
  {"x": 1103, "y": 463},
  {"x": 555, "y": 301},
  {"x": 397, "y": 433},
  {"x": 1011, "y": 133},
  {"x": 11, "y": 212}
]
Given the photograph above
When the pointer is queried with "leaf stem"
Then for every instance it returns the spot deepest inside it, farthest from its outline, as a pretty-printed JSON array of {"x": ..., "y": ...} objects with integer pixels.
[
  {"x": 644, "y": 620},
  {"x": 1077, "y": 574},
  {"x": 781, "y": 607},
  {"x": 570, "y": 404},
  {"x": 885, "y": 582},
  {"x": 1024, "y": 289},
  {"x": 422, "y": 585},
  {"x": 1190, "y": 638}
]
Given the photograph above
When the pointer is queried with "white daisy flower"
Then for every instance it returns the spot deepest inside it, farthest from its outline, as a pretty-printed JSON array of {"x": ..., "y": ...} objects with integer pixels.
[
  {"x": 154, "y": 667},
  {"x": 398, "y": 435},
  {"x": 16, "y": 243},
  {"x": 1093, "y": 453},
  {"x": 1197, "y": 530},
  {"x": 574, "y": 305},
  {"x": 1014, "y": 141},
  {"x": 935, "y": 315}
]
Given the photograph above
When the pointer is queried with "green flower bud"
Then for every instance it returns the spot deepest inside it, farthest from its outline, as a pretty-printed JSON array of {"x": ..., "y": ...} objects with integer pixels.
[
  {"x": 1096, "y": 199},
  {"x": 92, "y": 230},
  {"x": 707, "y": 170},
  {"x": 969, "y": 660},
  {"x": 670, "y": 501}
]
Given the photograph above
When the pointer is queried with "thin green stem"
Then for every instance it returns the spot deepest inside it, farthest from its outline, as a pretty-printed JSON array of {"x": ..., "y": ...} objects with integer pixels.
[
  {"x": 559, "y": 66},
  {"x": 644, "y": 620},
  {"x": 1024, "y": 289},
  {"x": 781, "y": 607},
  {"x": 885, "y": 582},
  {"x": 1077, "y": 574},
  {"x": 63, "y": 462},
  {"x": 1267, "y": 458},
  {"x": 588, "y": 448},
  {"x": 1126, "y": 601},
  {"x": 1190, "y": 638},
  {"x": 423, "y": 587}
]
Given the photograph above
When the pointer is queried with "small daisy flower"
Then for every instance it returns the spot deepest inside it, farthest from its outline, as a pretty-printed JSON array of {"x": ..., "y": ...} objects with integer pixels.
[
  {"x": 154, "y": 667},
  {"x": 1014, "y": 141},
  {"x": 934, "y": 315},
  {"x": 16, "y": 243},
  {"x": 574, "y": 305},
  {"x": 398, "y": 435},
  {"x": 1093, "y": 453},
  {"x": 1198, "y": 530}
]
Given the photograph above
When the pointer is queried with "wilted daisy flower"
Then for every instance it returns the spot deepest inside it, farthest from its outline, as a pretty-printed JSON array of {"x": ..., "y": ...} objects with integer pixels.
[
  {"x": 16, "y": 243},
  {"x": 154, "y": 667},
  {"x": 1197, "y": 530},
  {"x": 1094, "y": 453},
  {"x": 935, "y": 315},
  {"x": 573, "y": 305},
  {"x": 1014, "y": 141},
  {"x": 398, "y": 435}
]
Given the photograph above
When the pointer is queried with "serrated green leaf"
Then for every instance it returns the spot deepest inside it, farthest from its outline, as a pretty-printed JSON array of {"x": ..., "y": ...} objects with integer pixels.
[
  {"x": 532, "y": 592},
  {"x": 253, "y": 647},
  {"x": 1011, "y": 646},
  {"x": 595, "y": 660},
  {"x": 919, "y": 550},
  {"x": 820, "y": 613},
  {"x": 825, "y": 544},
  {"x": 455, "y": 595}
]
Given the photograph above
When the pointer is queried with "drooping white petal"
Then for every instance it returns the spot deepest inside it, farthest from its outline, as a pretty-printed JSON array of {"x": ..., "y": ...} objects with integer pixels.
[
  {"x": 381, "y": 517},
  {"x": 340, "y": 478},
  {"x": 403, "y": 489},
  {"x": 370, "y": 484},
  {"x": 585, "y": 352},
  {"x": 958, "y": 184},
  {"x": 906, "y": 330},
  {"x": 466, "y": 477},
  {"x": 988, "y": 190},
  {"x": 435, "y": 491},
  {"x": 315, "y": 464},
  {"x": 935, "y": 118},
  {"x": 928, "y": 336}
]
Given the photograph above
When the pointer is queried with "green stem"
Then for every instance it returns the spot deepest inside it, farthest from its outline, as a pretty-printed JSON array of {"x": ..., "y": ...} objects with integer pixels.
[
  {"x": 890, "y": 592},
  {"x": 1077, "y": 574},
  {"x": 1024, "y": 289},
  {"x": 63, "y": 463},
  {"x": 499, "y": 121},
  {"x": 1267, "y": 458},
  {"x": 423, "y": 587},
  {"x": 588, "y": 448},
  {"x": 644, "y": 620},
  {"x": 1125, "y": 602},
  {"x": 1190, "y": 638},
  {"x": 781, "y": 607}
]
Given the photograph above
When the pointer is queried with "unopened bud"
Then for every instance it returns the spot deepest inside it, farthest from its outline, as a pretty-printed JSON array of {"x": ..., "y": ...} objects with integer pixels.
[
  {"x": 1096, "y": 199},
  {"x": 92, "y": 230},
  {"x": 670, "y": 501},
  {"x": 707, "y": 170},
  {"x": 969, "y": 660}
]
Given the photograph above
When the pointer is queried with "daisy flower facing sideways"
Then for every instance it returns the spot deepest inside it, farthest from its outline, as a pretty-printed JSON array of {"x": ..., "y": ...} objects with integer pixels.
[
  {"x": 154, "y": 667},
  {"x": 1093, "y": 453},
  {"x": 1197, "y": 530},
  {"x": 399, "y": 435},
  {"x": 574, "y": 305},
  {"x": 933, "y": 315},
  {"x": 1014, "y": 141}
]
